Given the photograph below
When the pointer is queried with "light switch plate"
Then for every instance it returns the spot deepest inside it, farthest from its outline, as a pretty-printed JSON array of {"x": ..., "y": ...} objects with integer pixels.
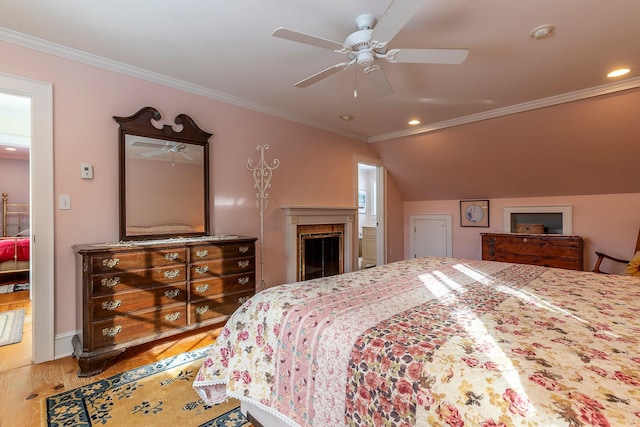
[{"x": 64, "y": 202}]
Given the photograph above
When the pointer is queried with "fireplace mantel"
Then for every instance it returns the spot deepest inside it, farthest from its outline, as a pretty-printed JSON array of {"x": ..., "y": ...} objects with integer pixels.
[{"x": 312, "y": 215}]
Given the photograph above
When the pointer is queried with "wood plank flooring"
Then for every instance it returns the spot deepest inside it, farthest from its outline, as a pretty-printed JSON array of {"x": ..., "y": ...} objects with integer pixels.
[{"x": 23, "y": 388}]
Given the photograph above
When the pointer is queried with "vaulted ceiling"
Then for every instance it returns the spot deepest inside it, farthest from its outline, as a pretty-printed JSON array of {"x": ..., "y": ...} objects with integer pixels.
[{"x": 522, "y": 56}]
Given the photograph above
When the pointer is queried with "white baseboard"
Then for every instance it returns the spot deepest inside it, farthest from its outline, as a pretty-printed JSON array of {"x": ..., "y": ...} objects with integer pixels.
[{"x": 62, "y": 345}]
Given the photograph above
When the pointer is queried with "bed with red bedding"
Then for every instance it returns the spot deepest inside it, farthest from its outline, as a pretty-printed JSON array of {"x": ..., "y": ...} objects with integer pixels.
[
  {"x": 14, "y": 254},
  {"x": 14, "y": 236},
  {"x": 435, "y": 342}
]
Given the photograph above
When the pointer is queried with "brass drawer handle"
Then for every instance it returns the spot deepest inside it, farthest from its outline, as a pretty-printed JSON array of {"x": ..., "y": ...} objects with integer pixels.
[
  {"x": 202, "y": 288},
  {"x": 202, "y": 269},
  {"x": 202, "y": 309},
  {"x": 172, "y": 293},
  {"x": 172, "y": 256},
  {"x": 111, "y": 305},
  {"x": 243, "y": 280},
  {"x": 172, "y": 317},
  {"x": 244, "y": 263},
  {"x": 111, "y": 332},
  {"x": 202, "y": 253},
  {"x": 242, "y": 300},
  {"x": 110, "y": 282},
  {"x": 111, "y": 262},
  {"x": 171, "y": 274},
  {"x": 243, "y": 249}
]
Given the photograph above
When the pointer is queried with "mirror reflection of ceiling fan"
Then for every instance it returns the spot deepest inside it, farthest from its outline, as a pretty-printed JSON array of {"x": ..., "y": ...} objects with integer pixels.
[
  {"x": 368, "y": 45},
  {"x": 168, "y": 147}
]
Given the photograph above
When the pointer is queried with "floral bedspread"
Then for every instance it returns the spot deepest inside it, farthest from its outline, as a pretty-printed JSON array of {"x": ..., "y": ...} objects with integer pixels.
[{"x": 436, "y": 342}]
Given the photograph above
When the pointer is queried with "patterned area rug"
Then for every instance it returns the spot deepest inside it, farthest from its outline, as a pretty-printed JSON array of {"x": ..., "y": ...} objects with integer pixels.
[
  {"x": 11, "y": 323},
  {"x": 159, "y": 394},
  {"x": 7, "y": 289}
]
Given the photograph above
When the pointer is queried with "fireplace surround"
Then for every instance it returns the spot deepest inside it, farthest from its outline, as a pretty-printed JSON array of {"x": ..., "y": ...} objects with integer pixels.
[{"x": 329, "y": 220}]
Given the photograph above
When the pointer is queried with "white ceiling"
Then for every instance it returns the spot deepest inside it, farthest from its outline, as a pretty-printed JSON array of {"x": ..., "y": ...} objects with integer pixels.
[{"x": 224, "y": 49}]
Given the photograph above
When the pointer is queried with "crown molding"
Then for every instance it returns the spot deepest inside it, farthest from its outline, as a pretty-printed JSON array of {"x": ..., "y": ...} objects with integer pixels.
[
  {"x": 140, "y": 73},
  {"x": 513, "y": 109},
  {"x": 119, "y": 67}
]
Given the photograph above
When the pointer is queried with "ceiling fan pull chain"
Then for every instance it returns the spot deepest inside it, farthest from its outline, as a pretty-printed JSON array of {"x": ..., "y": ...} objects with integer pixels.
[{"x": 355, "y": 81}]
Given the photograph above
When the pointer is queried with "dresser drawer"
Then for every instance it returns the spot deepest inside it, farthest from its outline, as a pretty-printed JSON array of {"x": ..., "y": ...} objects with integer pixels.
[
  {"x": 125, "y": 302},
  {"x": 236, "y": 283},
  {"x": 225, "y": 250},
  {"x": 112, "y": 283},
  {"x": 221, "y": 267},
  {"x": 138, "y": 324},
  {"x": 116, "y": 261},
  {"x": 217, "y": 307}
]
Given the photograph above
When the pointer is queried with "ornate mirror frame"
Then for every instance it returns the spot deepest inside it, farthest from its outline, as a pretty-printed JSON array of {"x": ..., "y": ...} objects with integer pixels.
[{"x": 182, "y": 146}]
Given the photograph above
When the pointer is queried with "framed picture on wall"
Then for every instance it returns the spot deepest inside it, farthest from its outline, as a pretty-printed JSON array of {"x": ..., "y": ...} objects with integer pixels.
[
  {"x": 362, "y": 201},
  {"x": 474, "y": 213}
]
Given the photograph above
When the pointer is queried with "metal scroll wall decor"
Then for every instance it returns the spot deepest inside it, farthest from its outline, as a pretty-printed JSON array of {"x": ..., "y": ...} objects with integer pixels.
[{"x": 262, "y": 174}]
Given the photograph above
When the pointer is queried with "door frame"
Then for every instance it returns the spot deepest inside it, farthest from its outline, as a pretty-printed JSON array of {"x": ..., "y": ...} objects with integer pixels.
[
  {"x": 381, "y": 203},
  {"x": 41, "y": 202}
]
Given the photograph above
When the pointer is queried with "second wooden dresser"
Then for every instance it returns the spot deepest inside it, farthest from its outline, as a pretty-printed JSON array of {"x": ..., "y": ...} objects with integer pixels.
[
  {"x": 547, "y": 250},
  {"x": 136, "y": 292}
]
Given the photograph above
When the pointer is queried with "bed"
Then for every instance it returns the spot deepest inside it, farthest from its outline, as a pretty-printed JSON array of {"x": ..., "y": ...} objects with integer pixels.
[
  {"x": 14, "y": 237},
  {"x": 435, "y": 342}
]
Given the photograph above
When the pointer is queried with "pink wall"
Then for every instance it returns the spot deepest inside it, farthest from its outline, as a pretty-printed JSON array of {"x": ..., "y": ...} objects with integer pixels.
[
  {"x": 608, "y": 223},
  {"x": 14, "y": 179},
  {"x": 182, "y": 183},
  {"x": 86, "y": 98}
]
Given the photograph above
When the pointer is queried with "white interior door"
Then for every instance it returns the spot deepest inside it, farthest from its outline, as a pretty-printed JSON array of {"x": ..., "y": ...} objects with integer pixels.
[{"x": 430, "y": 235}]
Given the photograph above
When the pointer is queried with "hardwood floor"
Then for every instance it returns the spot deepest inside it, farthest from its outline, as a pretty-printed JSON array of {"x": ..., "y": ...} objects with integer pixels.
[
  {"x": 19, "y": 354},
  {"x": 23, "y": 388}
]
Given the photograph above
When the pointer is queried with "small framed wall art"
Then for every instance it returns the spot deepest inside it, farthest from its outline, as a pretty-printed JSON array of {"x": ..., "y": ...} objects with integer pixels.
[{"x": 474, "y": 213}]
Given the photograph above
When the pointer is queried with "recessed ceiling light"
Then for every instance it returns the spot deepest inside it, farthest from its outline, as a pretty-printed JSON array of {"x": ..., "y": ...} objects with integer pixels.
[
  {"x": 619, "y": 72},
  {"x": 542, "y": 32},
  {"x": 414, "y": 122},
  {"x": 346, "y": 117}
]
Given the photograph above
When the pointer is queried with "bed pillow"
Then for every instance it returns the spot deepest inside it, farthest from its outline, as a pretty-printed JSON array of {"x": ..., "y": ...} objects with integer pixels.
[{"x": 633, "y": 268}]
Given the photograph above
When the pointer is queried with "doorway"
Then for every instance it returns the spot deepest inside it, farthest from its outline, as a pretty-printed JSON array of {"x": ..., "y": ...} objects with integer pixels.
[
  {"x": 371, "y": 202},
  {"x": 41, "y": 268}
]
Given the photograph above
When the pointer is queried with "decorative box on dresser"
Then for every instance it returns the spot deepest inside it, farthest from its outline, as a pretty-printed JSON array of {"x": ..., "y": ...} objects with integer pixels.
[
  {"x": 135, "y": 292},
  {"x": 547, "y": 250}
]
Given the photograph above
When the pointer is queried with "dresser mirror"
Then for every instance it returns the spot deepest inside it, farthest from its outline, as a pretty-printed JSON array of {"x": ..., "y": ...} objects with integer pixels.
[{"x": 164, "y": 177}]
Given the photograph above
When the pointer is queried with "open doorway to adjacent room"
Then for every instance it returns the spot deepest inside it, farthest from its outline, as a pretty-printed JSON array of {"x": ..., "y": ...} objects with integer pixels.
[
  {"x": 371, "y": 213},
  {"x": 40, "y": 335}
]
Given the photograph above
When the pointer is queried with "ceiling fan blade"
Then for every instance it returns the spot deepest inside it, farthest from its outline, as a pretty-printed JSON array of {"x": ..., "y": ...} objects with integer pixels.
[
  {"x": 153, "y": 153},
  {"x": 296, "y": 36},
  {"x": 396, "y": 16},
  {"x": 428, "y": 56},
  {"x": 146, "y": 144},
  {"x": 378, "y": 79},
  {"x": 322, "y": 75}
]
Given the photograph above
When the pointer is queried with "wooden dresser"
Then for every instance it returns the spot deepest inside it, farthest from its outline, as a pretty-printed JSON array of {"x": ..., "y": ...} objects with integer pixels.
[
  {"x": 548, "y": 250},
  {"x": 131, "y": 293}
]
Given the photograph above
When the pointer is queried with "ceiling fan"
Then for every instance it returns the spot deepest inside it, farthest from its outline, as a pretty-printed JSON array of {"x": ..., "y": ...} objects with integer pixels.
[
  {"x": 168, "y": 147},
  {"x": 369, "y": 43}
]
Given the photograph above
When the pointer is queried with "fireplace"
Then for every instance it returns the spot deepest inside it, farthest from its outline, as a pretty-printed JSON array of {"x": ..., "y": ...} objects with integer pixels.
[
  {"x": 320, "y": 241},
  {"x": 320, "y": 250}
]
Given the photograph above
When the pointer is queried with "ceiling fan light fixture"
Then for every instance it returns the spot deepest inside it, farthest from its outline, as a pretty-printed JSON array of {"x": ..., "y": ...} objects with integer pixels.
[{"x": 618, "y": 72}]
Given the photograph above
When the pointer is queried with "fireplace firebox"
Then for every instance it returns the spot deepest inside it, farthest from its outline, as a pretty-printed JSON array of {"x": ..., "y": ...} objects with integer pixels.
[{"x": 320, "y": 255}]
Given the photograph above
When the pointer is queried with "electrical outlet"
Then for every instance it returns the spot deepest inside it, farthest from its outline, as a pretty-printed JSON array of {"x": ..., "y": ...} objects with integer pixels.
[{"x": 64, "y": 202}]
